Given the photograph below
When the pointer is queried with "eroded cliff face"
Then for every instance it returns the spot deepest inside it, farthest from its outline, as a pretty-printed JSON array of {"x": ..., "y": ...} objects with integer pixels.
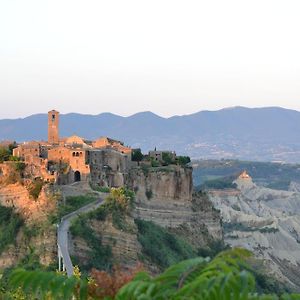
[
  {"x": 162, "y": 183},
  {"x": 32, "y": 210},
  {"x": 266, "y": 222},
  {"x": 165, "y": 196},
  {"x": 36, "y": 237},
  {"x": 124, "y": 244}
]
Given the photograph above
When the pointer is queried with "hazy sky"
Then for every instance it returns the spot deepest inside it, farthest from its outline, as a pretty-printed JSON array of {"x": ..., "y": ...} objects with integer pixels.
[{"x": 167, "y": 56}]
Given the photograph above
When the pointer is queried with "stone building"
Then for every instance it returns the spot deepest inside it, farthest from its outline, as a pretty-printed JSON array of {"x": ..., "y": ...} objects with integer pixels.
[
  {"x": 104, "y": 161},
  {"x": 158, "y": 155},
  {"x": 53, "y": 123},
  {"x": 108, "y": 167}
]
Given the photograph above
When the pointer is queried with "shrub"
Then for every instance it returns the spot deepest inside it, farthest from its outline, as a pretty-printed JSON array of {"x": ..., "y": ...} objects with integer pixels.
[
  {"x": 10, "y": 223},
  {"x": 4, "y": 154},
  {"x": 137, "y": 155},
  {"x": 118, "y": 204},
  {"x": 154, "y": 163},
  {"x": 162, "y": 247},
  {"x": 100, "y": 256},
  {"x": 101, "y": 189},
  {"x": 73, "y": 203},
  {"x": 35, "y": 188},
  {"x": 167, "y": 158},
  {"x": 183, "y": 160}
]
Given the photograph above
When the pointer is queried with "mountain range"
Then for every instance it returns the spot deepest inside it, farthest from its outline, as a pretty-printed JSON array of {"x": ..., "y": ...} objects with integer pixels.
[{"x": 271, "y": 133}]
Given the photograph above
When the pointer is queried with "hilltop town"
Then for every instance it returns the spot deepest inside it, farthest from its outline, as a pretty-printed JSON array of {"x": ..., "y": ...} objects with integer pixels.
[{"x": 104, "y": 162}]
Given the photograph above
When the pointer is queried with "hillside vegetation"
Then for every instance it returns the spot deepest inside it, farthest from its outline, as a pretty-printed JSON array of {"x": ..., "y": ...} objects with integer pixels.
[
  {"x": 221, "y": 173},
  {"x": 228, "y": 276}
]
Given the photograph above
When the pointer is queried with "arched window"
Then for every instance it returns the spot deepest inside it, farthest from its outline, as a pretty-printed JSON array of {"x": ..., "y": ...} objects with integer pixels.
[
  {"x": 77, "y": 153},
  {"x": 73, "y": 153}
]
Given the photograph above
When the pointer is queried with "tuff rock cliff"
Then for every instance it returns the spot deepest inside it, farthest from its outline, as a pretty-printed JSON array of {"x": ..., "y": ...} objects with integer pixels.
[
  {"x": 165, "y": 197},
  {"x": 35, "y": 240}
]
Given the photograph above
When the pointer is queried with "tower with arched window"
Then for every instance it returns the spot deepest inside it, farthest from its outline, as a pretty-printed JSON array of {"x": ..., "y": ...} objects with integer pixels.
[{"x": 53, "y": 121}]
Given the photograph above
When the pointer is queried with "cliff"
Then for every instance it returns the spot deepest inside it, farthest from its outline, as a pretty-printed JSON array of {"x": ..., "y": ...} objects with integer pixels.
[
  {"x": 174, "y": 222},
  {"x": 266, "y": 222},
  {"x": 35, "y": 239},
  {"x": 165, "y": 196}
]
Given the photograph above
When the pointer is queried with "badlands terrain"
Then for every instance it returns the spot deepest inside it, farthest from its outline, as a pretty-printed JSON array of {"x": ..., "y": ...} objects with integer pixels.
[{"x": 265, "y": 221}]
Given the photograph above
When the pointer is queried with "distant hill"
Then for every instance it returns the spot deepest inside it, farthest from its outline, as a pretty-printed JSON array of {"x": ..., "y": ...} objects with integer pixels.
[{"x": 270, "y": 133}]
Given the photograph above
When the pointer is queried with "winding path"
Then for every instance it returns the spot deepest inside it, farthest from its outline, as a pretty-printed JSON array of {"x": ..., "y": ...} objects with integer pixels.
[{"x": 64, "y": 259}]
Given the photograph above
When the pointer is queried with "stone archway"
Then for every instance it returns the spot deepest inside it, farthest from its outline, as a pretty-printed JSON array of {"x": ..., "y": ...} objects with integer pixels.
[{"x": 77, "y": 176}]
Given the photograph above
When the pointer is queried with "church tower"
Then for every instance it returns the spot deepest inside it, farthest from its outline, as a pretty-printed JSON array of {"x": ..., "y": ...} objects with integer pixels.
[{"x": 53, "y": 134}]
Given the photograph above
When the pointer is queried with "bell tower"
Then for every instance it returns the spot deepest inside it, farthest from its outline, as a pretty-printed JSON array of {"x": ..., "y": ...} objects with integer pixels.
[{"x": 53, "y": 120}]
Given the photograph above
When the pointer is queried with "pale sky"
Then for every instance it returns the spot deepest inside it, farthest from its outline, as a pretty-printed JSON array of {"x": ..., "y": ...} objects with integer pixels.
[{"x": 167, "y": 56}]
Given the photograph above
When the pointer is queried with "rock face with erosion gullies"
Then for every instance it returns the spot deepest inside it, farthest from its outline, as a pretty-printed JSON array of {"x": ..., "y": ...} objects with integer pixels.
[
  {"x": 265, "y": 221},
  {"x": 165, "y": 196},
  {"x": 36, "y": 236}
]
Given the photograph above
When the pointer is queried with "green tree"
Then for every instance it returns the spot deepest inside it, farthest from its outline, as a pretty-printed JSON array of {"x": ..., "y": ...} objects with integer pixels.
[
  {"x": 137, "y": 155},
  {"x": 4, "y": 154},
  {"x": 167, "y": 158},
  {"x": 183, "y": 160}
]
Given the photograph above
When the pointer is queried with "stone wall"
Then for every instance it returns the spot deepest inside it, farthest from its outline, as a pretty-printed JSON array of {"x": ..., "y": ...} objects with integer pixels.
[{"x": 108, "y": 167}]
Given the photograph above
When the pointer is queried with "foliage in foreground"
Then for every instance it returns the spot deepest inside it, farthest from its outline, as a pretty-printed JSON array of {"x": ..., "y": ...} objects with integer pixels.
[{"x": 223, "y": 278}]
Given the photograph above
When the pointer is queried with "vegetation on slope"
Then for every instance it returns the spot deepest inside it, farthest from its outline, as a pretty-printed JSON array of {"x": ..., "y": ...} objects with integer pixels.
[
  {"x": 273, "y": 175},
  {"x": 219, "y": 183},
  {"x": 10, "y": 223},
  {"x": 6, "y": 152},
  {"x": 117, "y": 205},
  {"x": 35, "y": 188},
  {"x": 160, "y": 246},
  {"x": 72, "y": 203},
  {"x": 226, "y": 277},
  {"x": 100, "y": 256}
]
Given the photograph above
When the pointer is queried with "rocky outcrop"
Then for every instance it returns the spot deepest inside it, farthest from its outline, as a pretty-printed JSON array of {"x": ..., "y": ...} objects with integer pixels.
[
  {"x": 17, "y": 196},
  {"x": 124, "y": 245},
  {"x": 163, "y": 183},
  {"x": 165, "y": 196},
  {"x": 265, "y": 221},
  {"x": 37, "y": 237}
]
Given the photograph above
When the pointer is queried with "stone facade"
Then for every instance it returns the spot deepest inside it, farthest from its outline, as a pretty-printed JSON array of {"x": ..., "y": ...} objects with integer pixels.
[
  {"x": 108, "y": 167},
  {"x": 104, "y": 161},
  {"x": 53, "y": 122},
  {"x": 158, "y": 155}
]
